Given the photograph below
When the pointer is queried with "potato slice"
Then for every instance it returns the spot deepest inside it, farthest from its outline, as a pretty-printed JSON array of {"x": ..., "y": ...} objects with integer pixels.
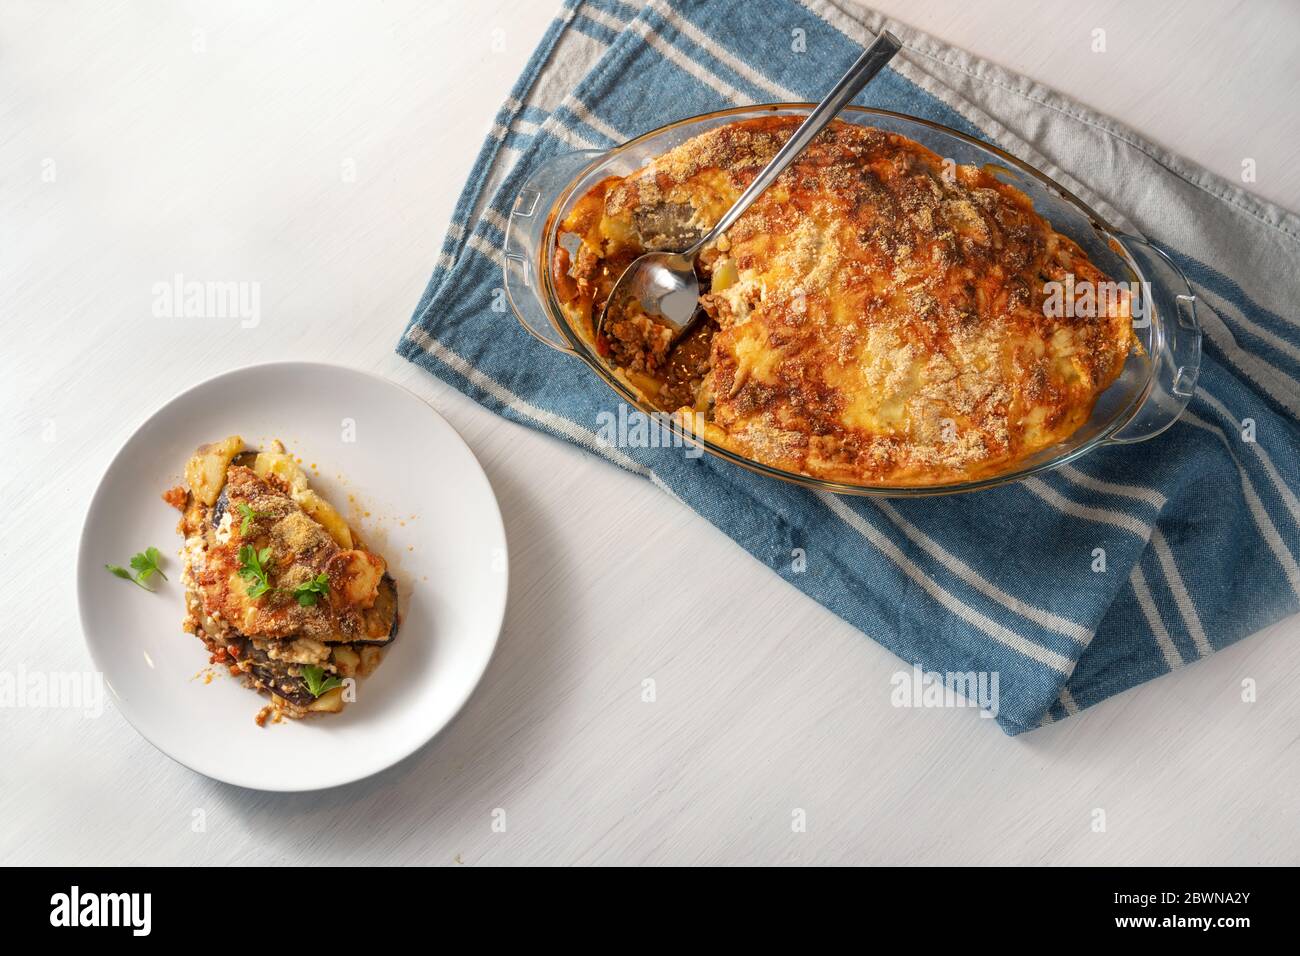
[
  {"x": 347, "y": 661},
  {"x": 725, "y": 275},
  {"x": 283, "y": 466},
  {"x": 370, "y": 657},
  {"x": 205, "y": 472},
  {"x": 355, "y": 576},
  {"x": 330, "y": 702},
  {"x": 323, "y": 513}
]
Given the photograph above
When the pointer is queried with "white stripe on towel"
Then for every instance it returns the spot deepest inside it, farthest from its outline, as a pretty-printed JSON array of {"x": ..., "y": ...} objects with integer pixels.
[
  {"x": 1046, "y": 619},
  {"x": 1115, "y": 518},
  {"x": 494, "y": 219},
  {"x": 1283, "y": 489},
  {"x": 584, "y": 113},
  {"x": 1148, "y": 606},
  {"x": 607, "y": 20},
  {"x": 677, "y": 57},
  {"x": 567, "y": 133},
  {"x": 1136, "y": 492},
  {"x": 1280, "y": 386},
  {"x": 719, "y": 52},
  {"x": 1265, "y": 524},
  {"x": 1186, "y": 607},
  {"x": 481, "y": 245},
  {"x": 518, "y": 125},
  {"x": 1003, "y": 635}
]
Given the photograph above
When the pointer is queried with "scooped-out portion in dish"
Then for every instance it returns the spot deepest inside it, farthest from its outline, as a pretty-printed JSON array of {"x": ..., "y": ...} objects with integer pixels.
[
  {"x": 879, "y": 316},
  {"x": 277, "y": 585}
]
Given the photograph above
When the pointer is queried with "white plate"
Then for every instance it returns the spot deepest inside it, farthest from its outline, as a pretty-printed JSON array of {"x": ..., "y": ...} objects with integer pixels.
[{"x": 432, "y": 515}]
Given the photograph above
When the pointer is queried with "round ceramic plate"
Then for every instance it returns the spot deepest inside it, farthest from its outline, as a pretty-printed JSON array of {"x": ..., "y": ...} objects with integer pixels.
[{"x": 400, "y": 475}]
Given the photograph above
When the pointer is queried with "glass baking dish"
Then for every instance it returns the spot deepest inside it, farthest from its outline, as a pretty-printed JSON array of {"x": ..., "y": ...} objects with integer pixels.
[{"x": 1151, "y": 392}]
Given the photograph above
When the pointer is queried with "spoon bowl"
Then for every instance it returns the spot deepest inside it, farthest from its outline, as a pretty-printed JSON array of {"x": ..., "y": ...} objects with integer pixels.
[{"x": 665, "y": 285}]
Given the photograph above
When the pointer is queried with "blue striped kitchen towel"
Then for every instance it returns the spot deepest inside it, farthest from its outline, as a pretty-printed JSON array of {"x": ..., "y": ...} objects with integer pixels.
[{"x": 1200, "y": 527}]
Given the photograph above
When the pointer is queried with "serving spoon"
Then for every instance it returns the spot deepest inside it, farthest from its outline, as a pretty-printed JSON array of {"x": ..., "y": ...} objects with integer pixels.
[{"x": 664, "y": 282}]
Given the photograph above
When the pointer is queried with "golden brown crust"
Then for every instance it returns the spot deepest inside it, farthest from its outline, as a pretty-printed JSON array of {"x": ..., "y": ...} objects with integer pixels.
[
  {"x": 300, "y": 549},
  {"x": 879, "y": 316}
]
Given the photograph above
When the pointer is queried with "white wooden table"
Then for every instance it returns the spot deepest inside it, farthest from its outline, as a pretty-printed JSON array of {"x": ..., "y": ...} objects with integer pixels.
[{"x": 219, "y": 142}]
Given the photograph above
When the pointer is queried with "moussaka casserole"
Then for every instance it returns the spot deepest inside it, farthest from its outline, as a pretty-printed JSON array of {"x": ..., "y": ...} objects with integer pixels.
[
  {"x": 280, "y": 589},
  {"x": 879, "y": 316}
]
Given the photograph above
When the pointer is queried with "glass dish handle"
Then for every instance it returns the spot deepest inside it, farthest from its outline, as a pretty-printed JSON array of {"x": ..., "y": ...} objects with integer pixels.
[
  {"x": 1174, "y": 346},
  {"x": 525, "y": 234}
]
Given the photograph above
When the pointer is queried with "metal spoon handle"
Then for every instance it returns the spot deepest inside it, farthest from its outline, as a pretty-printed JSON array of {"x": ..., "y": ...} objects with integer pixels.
[{"x": 871, "y": 62}]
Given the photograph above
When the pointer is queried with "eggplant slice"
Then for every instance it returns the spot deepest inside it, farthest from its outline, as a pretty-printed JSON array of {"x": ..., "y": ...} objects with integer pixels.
[
  {"x": 220, "y": 508},
  {"x": 381, "y": 619},
  {"x": 222, "y": 504},
  {"x": 273, "y": 676}
]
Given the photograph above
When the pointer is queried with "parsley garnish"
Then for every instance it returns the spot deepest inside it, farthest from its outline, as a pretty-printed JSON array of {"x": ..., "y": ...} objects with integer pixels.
[
  {"x": 309, "y": 592},
  {"x": 249, "y": 514},
  {"x": 316, "y": 681},
  {"x": 146, "y": 564},
  {"x": 253, "y": 569}
]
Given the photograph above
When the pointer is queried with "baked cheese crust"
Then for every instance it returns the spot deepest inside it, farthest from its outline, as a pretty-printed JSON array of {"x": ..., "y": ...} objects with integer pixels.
[{"x": 876, "y": 317}]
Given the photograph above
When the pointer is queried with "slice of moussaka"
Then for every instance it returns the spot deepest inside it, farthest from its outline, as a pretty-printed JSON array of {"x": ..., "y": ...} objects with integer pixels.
[
  {"x": 879, "y": 316},
  {"x": 277, "y": 585}
]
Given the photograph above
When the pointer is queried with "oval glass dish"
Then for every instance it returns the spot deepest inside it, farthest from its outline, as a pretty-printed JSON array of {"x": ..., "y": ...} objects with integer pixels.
[{"x": 1150, "y": 393}]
